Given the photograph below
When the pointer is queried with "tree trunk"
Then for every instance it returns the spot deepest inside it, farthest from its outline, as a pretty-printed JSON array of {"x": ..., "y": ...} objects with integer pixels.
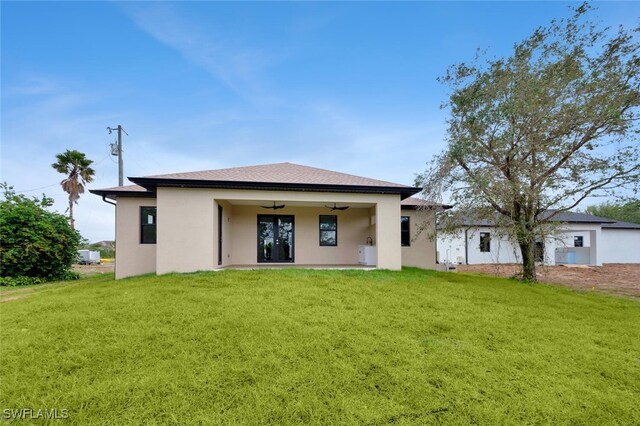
[
  {"x": 71, "y": 221},
  {"x": 527, "y": 249}
]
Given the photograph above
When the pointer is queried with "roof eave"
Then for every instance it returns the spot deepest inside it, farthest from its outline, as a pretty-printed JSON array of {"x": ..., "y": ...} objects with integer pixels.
[
  {"x": 111, "y": 194},
  {"x": 429, "y": 207},
  {"x": 152, "y": 183}
]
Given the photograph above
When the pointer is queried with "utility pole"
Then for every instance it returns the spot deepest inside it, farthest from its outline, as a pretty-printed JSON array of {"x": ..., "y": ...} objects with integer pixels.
[{"x": 118, "y": 151}]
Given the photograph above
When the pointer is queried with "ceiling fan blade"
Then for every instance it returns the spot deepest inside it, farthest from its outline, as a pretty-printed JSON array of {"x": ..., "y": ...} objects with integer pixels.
[
  {"x": 274, "y": 207},
  {"x": 335, "y": 207}
]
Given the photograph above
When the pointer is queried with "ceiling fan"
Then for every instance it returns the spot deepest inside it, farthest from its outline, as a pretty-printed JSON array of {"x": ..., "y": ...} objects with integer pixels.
[
  {"x": 281, "y": 206},
  {"x": 335, "y": 207}
]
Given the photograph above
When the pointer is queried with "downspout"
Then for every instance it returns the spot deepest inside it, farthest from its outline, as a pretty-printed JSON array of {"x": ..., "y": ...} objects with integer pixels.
[
  {"x": 116, "y": 206},
  {"x": 108, "y": 202},
  {"x": 435, "y": 235},
  {"x": 466, "y": 246}
]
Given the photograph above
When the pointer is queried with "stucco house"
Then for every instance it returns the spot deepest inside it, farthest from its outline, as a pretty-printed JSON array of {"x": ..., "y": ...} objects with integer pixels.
[
  {"x": 265, "y": 215},
  {"x": 582, "y": 239}
]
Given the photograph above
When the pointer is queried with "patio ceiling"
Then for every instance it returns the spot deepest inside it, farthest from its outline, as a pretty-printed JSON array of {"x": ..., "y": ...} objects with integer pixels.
[{"x": 321, "y": 204}]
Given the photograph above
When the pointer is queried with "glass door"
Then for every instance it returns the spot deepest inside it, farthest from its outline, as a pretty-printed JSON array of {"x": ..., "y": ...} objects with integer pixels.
[
  {"x": 284, "y": 240},
  {"x": 275, "y": 238}
]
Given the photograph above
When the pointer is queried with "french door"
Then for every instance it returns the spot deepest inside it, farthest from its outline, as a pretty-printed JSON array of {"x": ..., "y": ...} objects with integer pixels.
[{"x": 275, "y": 238}]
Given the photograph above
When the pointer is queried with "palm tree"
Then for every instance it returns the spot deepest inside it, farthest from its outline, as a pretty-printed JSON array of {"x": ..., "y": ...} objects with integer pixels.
[{"x": 75, "y": 166}]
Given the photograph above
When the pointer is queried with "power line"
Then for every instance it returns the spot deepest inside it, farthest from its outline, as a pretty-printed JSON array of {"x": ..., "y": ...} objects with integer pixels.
[
  {"x": 95, "y": 163},
  {"x": 35, "y": 189}
]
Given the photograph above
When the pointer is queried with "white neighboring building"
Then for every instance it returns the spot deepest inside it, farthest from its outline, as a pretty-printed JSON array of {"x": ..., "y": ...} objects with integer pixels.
[
  {"x": 584, "y": 240},
  {"x": 620, "y": 242}
]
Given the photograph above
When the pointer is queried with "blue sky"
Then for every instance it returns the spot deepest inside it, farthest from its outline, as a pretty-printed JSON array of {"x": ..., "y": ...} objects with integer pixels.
[{"x": 202, "y": 85}]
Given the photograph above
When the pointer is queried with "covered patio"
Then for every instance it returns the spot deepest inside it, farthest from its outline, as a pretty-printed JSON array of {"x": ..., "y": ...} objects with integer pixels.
[{"x": 268, "y": 228}]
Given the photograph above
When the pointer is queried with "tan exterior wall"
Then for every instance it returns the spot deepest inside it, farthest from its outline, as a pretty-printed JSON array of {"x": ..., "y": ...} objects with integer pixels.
[
  {"x": 422, "y": 251},
  {"x": 227, "y": 232},
  {"x": 353, "y": 229},
  {"x": 132, "y": 258},
  {"x": 388, "y": 233},
  {"x": 187, "y": 227},
  {"x": 186, "y": 234}
]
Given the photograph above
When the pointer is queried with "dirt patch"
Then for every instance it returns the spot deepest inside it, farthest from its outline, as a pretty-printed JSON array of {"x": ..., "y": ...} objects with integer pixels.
[
  {"x": 12, "y": 298},
  {"x": 618, "y": 278},
  {"x": 7, "y": 294},
  {"x": 103, "y": 268}
]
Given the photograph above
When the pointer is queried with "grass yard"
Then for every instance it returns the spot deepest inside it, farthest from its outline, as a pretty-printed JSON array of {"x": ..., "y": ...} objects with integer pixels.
[{"x": 320, "y": 347}]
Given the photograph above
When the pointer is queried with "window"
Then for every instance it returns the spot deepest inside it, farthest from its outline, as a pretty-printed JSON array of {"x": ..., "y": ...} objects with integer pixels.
[
  {"x": 405, "y": 232},
  {"x": 578, "y": 241},
  {"x": 328, "y": 230},
  {"x": 147, "y": 225},
  {"x": 485, "y": 242},
  {"x": 539, "y": 252}
]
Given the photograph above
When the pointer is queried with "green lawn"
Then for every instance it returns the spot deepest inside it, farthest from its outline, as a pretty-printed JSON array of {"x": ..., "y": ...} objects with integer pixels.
[{"x": 320, "y": 347}]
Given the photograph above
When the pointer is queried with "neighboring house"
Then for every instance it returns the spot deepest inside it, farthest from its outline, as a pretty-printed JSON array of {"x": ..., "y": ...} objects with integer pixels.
[
  {"x": 582, "y": 239},
  {"x": 274, "y": 214}
]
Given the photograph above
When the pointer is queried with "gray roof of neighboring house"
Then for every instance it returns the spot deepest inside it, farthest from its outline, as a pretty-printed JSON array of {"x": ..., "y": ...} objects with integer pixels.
[
  {"x": 280, "y": 176},
  {"x": 621, "y": 225},
  {"x": 566, "y": 217},
  {"x": 415, "y": 202},
  {"x": 572, "y": 217}
]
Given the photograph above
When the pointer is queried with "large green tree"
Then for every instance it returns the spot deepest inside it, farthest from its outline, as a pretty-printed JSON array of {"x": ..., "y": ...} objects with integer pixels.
[
  {"x": 535, "y": 133},
  {"x": 76, "y": 167},
  {"x": 628, "y": 211},
  {"x": 36, "y": 242}
]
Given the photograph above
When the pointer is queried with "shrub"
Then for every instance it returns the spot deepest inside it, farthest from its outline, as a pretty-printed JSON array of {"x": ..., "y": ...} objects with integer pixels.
[
  {"x": 21, "y": 280},
  {"x": 69, "y": 276},
  {"x": 18, "y": 281},
  {"x": 35, "y": 242}
]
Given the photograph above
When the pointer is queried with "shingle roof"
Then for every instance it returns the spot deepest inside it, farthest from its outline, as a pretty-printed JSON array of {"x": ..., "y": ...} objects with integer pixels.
[
  {"x": 564, "y": 217},
  {"x": 621, "y": 225},
  {"x": 123, "y": 191},
  {"x": 278, "y": 173},
  {"x": 126, "y": 188},
  {"x": 572, "y": 217},
  {"x": 415, "y": 202},
  {"x": 279, "y": 176}
]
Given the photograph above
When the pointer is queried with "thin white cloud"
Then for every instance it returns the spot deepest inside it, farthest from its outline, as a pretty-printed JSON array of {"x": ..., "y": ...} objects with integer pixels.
[
  {"x": 229, "y": 60},
  {"x": 393, "y": 149},
  {"x": 31, "y": 85},
  {"x": 48, "y": 118}
]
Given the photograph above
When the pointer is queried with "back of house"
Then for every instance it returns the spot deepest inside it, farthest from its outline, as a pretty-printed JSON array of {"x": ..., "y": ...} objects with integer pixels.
[{"x": 271, "y": 215}]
